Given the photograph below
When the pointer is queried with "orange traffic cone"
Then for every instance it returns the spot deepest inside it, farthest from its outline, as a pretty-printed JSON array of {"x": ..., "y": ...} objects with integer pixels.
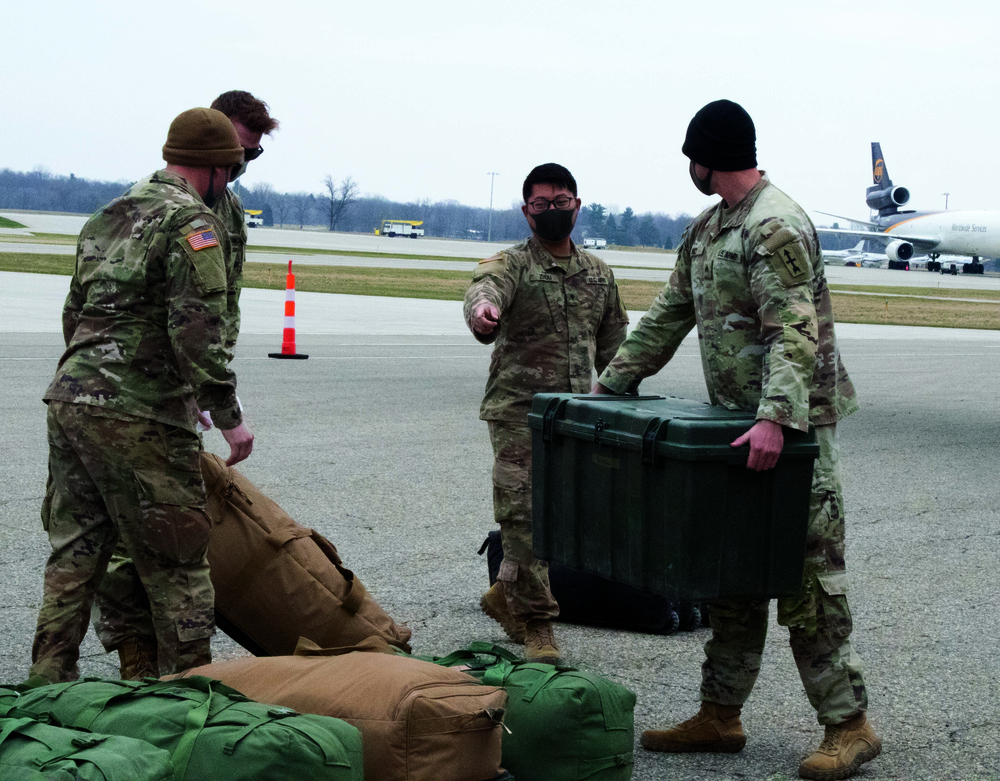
[{"x": 288, "y": 338}]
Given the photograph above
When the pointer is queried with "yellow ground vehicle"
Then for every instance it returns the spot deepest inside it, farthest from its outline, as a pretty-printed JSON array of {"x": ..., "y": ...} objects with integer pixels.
[{"x": 409, "y": 228}]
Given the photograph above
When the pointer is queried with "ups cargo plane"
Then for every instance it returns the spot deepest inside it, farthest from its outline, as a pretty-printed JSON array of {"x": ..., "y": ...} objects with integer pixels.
[{"x": 974, "y": 234}]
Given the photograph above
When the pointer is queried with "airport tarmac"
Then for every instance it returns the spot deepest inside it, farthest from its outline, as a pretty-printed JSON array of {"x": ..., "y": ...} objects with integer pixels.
[
  {"x": 375, "y": 442},
  {"x": 652, "y": 266}
]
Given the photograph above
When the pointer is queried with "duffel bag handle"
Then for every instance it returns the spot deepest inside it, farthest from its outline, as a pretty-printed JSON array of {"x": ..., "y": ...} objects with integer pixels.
[
  {"x": 373, "y": 644},
  {"x": 472, "y": 653}
]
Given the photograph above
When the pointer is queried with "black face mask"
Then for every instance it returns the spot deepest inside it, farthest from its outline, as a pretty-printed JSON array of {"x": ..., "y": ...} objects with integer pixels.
[
  {"x": 554, "y": 225},
  {"x": 705, "y": 185},
  {"x": 211, "y": 197}
]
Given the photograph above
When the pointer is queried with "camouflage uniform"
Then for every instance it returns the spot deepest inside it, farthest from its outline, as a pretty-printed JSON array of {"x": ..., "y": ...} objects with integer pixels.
[
  {"x": 559, "y": 318},
  {"x": 145, "y": 325},
  {"x": 121, "y": 605},
  {"x": 751, "y": 278}
]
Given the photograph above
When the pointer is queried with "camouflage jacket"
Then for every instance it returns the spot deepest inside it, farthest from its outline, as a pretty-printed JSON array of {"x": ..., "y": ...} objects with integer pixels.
[
  {"x": 229, "y": 210},
  {"x": 751, "y": 277},
  {"x": 559, "y": 318},
  {"x": 146, "y": 315}
]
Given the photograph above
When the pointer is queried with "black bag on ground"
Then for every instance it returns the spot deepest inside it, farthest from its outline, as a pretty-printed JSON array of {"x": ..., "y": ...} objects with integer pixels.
[{"x": 595, "y": 601}]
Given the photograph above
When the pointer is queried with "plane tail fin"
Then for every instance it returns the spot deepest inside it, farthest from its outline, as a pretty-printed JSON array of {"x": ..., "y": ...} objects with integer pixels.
[
  {"x": 882, "y": 195},
  {"x": 880, "y": 174}
]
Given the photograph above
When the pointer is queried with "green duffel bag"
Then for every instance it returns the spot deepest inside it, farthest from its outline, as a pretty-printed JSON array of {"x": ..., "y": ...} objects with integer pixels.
[
  {"x": 210, "y": 730},
  {"x": 8, "y": 697},
  {"x": 564, "y": 724},
  {"x": 30, "y": 749}
]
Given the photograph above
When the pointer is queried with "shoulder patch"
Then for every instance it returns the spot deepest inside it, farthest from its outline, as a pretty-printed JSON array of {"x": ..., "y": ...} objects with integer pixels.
[
  {"x": 786, "y": 255},
  {"x": 498, "y": 256},
  {"x": 202, "y": 240}
]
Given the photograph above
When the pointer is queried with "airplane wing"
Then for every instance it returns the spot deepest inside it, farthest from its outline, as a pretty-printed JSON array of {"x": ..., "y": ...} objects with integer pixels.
[
  {"x": 923, "y": 243},
  {"x": 849, "y": 219}
]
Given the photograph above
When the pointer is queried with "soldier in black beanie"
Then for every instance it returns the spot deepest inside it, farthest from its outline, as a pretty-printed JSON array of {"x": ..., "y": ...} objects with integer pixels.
[{"x": 749, "y": 274}]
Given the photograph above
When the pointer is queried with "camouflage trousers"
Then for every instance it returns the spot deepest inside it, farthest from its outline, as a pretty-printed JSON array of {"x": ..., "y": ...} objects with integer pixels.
[
  {"x": 818, "y": 620},
  {"x": 525, "y": 578},
  {"x": 138, "y": 481},
  {"x": 121, "y": 607}
]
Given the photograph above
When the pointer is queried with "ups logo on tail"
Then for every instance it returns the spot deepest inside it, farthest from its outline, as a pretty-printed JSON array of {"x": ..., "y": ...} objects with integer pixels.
[{"x": 877, "y": 171}]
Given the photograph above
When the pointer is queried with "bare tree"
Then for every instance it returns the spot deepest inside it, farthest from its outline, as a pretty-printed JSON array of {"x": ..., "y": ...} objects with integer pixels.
[
  {"x": 302, "y": 204},
  {"x": 262, "y": 195},
  {"x": 281, "y": 207},
  {"x": 338, "y": 198}
]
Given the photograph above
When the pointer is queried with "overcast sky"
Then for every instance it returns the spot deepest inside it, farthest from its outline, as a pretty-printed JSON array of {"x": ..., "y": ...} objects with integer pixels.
[{"x": 421, "y": 100}]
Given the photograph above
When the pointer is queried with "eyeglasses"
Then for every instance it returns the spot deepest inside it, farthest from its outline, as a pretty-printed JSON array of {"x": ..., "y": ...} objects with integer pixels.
[
  {"x": 252, "y": 154},
  {"x": 539, "y": 205}
]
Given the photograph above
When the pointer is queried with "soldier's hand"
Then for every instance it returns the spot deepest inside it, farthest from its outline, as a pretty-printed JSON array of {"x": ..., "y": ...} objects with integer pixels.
[
  {"x": 766, "y": 440},
  {"x": 485, "y": 318},
  {"x": 240, "y": 441},
  {"x": 599, "y": 389},
  {"x": 205, "y": 420}
]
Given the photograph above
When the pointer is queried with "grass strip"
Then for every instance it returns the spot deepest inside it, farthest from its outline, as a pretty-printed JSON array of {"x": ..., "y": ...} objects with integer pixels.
[
  {"x": 257, "y": 249},
  {"x": 5, "y": 223},
  {"x": 927, "y": 292},
  {"x": 39, "y": 238},
  {"x": 30, "y": 263},
  {"x": 637, "y": 294},
  {"x": 915, "y": 311}
]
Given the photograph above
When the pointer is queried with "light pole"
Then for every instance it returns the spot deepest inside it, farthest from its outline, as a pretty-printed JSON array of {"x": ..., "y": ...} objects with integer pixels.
[
  {"x": 946, "y": 200},
  {"x": 489, "y": 223}
]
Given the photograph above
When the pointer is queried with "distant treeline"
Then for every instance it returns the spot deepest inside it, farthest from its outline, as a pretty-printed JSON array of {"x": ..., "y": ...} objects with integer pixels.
[{"x": 341, "y": 209}]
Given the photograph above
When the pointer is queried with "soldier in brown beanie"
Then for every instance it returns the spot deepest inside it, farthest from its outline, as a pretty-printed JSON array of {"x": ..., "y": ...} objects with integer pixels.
[{"x": 144, "y": 325}]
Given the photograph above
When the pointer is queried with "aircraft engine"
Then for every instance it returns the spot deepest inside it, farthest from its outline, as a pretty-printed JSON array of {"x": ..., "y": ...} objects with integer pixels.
[
  {"x": 891, "y": 196},
  {"x": 899, "y": 250}
]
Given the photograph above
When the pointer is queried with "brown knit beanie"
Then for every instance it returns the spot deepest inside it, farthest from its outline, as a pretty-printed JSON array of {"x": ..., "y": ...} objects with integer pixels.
[{"x": 202, "y": 138}]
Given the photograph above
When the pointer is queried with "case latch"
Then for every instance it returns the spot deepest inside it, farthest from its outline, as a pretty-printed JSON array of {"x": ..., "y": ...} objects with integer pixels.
[{"x": 649, "y": 437}]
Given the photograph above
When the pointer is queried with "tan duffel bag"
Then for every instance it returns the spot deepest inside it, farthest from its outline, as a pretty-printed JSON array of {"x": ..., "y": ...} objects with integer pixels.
[
  {"x": 276, "y": 581},
  {"x": 419, "y": 721}
]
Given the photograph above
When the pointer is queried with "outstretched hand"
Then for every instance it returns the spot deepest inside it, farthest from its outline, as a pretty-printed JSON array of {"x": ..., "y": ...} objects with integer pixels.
[
  {"x": 485, "y": 318},
  {"x": 240, "y": 441},
  {"x": 766, "y": 440}
]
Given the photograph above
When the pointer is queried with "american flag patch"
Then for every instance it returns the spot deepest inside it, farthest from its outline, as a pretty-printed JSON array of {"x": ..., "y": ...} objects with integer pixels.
[{"x": 202, "y": 240}]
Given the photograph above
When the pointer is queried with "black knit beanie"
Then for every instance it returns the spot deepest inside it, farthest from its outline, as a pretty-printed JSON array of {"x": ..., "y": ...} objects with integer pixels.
[{"x": 721, "y": 137}]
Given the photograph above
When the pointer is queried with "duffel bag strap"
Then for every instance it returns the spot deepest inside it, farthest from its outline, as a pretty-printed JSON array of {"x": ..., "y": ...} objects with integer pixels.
[
  {"x": 356, "y": 592},
  {"x": 80, "y": 743},
  {"x": 373, "y": 644},
  {"x": 86, "y": 715},
  {"x": 540, "y": 683},
  {"x": 13, "y": 726},
  {"x": 496, "y": 674},
  {"x": 592, "y": 766},
  {"x": 194, "y": 723}
]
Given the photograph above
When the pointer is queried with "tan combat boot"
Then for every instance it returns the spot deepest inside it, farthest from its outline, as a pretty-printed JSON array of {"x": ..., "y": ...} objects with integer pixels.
[
  {"x": 540, "y": 642},
  {"x": 715, "y": 728},
  {"x": 138, "y": 658},
  {"x": 845, "y": 748},
  {"x": 494, "y": 604}
]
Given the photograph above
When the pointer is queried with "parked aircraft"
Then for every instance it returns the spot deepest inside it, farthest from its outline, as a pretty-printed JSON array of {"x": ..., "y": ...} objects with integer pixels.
[
  {"x": 856, "y": 256},
  {"x": 974, "y": 234}
]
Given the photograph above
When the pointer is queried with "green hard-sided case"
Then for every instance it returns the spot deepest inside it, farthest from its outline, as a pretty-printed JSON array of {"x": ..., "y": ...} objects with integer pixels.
[{"x": 647, "y": 490}]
